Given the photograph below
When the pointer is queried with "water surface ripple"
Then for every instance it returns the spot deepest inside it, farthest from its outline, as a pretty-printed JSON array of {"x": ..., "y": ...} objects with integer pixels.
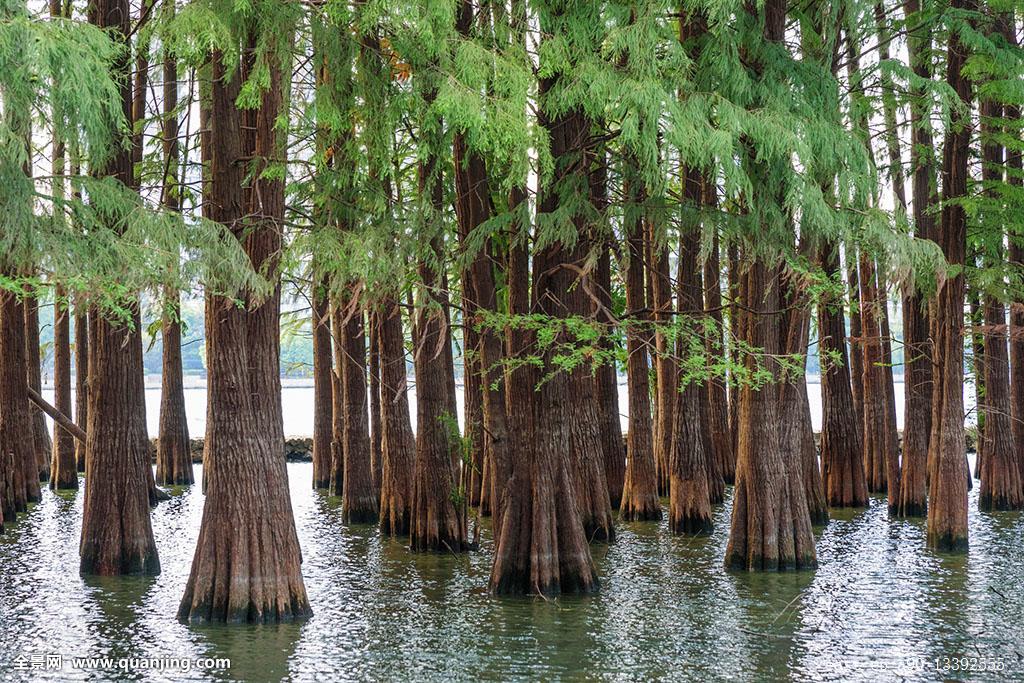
[{"x": 878, "y": 605}]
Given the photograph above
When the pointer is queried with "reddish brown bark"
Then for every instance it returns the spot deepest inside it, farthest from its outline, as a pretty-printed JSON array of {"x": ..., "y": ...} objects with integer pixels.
[
  {"x": 718, "y": 404},
  {"x": 690, "y": 497},
  {"x": 247, "y": 565},
  {"x": 947, "y": 486},
  {"x": 81, "y": 378},
  {"x": 376, "y": 414},
  {"x": 841, "y": 454},
  {"x": 606, "y": 374},
  {"x": 436, "y": 522},
  {"x": 174, "y": 452},
  {"x": 399, "y": 442},
  {"x": 63, "y": 471},
  {"x": 872, "y": 381},
  {"x": 666, "y": 384},
  {"x": 771, "y": 525},
  {"x": 917, "y": 378},
  {"x": 43, "y": 446},
  {"x": 116, "y": 534},
  {"x": 359, "y": 502},
  {"x": 797, "y": 439},
  {"x": 473, "y": 209},
  {"x": 337, "y": 472},
  {"x": 16, "y": 457},
  {"x": 999, "y": 471},
  {"x": 542, "y": 547},
  {"x": 640, "y": 489},
  {"x": 323, "y": 406}
]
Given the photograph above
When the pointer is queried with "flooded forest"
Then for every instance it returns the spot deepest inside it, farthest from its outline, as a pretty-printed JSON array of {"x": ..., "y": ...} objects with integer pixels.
[{"x": 570, "y": 280}]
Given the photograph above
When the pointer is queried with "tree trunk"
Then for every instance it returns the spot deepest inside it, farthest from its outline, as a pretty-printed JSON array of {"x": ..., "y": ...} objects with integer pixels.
[
  {"x": 63, "y": 471},
  {"x": 247, "y": 564},
  {"x": 917, "y": 378},
  {"x": 770, "y": 529},
  {"x": 947, "y": 486},
  {"x": 337, "y": 476},
  {"x": 40, "y": 433},
  {"x": 771, "y": 525},
  {"x": 81, "y": 378},
  {"x": 323, "y": 406},
  {"x": 718, "y": 403},
  {"x": 376, "y": 429},
  {"x": 606, "y": 374},
  {"x": 873, "y": 381},
  {"x": 640, "y": 489},
  {"x": 542, "y": 547},
  {"x": 841, "y": 454},
  {"x": 436, "y": 523},
  {"x": 999, "y": 471},
  {"x": 799, "y": 451},
  {"x": 17, "y": 461},
  {"x": 359, "y": 503},
  {"x": 399, "y": 442},
  {"x": 689, "y": 510},
  {"x": 666, "y": 381},
  {"x": 116, "y": 534},
  {"x": 174, "y": 451}
]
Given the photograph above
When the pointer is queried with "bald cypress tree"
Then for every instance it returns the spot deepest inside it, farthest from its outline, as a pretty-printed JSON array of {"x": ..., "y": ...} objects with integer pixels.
[
  {"x": 246, "y": 567},
  {"x": 947, "y": 485}
]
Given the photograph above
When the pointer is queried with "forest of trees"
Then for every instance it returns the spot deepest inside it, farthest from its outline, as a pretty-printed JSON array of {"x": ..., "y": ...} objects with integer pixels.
[{"x": 699, "y": 193}]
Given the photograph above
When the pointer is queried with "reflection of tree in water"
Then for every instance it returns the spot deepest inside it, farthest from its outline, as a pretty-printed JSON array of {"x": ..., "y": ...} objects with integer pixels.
[
  {"x": 116, "y": 627},
  {"x": 257, "y": 653}
]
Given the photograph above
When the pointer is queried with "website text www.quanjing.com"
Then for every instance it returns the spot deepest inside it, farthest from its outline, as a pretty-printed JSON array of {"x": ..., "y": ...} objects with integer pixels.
[{"x": 57, "y": 662}]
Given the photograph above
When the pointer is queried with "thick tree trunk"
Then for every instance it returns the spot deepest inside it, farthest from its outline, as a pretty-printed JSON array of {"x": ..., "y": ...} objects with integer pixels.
[
  {"x": 542, "y": 547},
  {"x": 640, "y": 488},
  {"x": 718, "y": 415},
  {"x": 917, "y": 378},
  {"x": 947, "y": 486},
  {"x": 436, "y": 523},
  {"x": 323, "y": 401},
  {"x": 376, "y": 416},
  {"x": 17, "y": 461},
  {"x": 666, "y": 374},
  {"x": 359, "y": 502},
  {"x": 117, "y": 455},
  {"x": 247, "y": 564},
  {"x": 999, "y": 471},
  {"x": 116, "y": 534},
  {"x": 689, "y": 510},
  {"x": 63, "y": 471},
  {"x": 399, "y": 442},
  {"x": 40, "y": 434},
  {"x": 174, "y": 452},
  {"x": 873, "y": 381},
  {"x": 841, "y": 454},
  {"x": 771, "y": 525},
  {"x": 606, "y": 374}
]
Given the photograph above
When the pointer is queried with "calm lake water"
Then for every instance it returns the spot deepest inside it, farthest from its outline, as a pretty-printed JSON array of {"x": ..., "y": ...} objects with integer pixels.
[
  {"x": 878, "y": 607},
  {"x": 297, "y": 402}
]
